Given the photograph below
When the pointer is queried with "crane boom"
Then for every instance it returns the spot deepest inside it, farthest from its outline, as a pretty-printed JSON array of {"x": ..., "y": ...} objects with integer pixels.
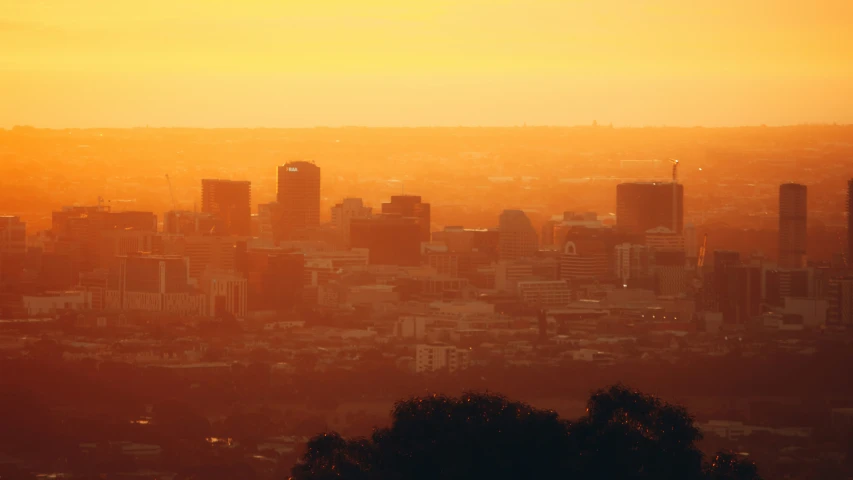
[{"x": 700, "y": 262}]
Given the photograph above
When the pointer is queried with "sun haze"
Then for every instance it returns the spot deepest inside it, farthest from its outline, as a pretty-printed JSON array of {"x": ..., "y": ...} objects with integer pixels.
[{"x": 473, "y": 62}]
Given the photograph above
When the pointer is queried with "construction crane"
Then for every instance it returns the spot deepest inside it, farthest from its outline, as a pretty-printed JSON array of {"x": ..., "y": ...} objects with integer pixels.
[
  {"x": 700, "y": 262},
  {"x": 674, "y": 194},
  {"x": 172, "y": 193}
]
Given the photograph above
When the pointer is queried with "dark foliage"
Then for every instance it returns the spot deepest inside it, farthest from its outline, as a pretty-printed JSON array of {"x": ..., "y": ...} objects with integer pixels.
[{"x": 624, "y": 435}]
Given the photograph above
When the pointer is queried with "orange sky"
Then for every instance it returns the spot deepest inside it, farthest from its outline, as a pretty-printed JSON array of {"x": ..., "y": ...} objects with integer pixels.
[{"x": 475, "y": 62}]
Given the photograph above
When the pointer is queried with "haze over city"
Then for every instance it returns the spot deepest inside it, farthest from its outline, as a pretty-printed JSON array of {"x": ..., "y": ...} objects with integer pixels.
[
  {"x": 442, "y": 240},
  {"x": 258, "y": 63}
]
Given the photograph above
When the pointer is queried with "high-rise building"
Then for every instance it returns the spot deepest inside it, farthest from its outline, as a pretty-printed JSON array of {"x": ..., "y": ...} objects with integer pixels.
[
  {"x": 13, "y": 248},
  {"x": 780, "y": 284},
  {"x": 850, "y": 222},
  {"x": 275, "y": 278},
  {"x": 344, "y": 212},
  {"x": 13, "y": 235},
  {"x": 518, "y": 238},
  {"x": 839, "y": 312},
  {"x": 391, "y": 239},
  {"x": 79, "y": 231},
  {"x": 411, "y": 206},
  {"x": 585, "y": 259},
  {"x": 632, "y": 262},
  {"x": 643, "y": 206},
  {"x": 792, "y": 225},
  {"x": 217, "y": 252},
  {"x": 153, "y": 283},
  {"x": 298, "y": 198},
  {"x": 226, "y": 293},
  {"x": 230, "y": 202}
]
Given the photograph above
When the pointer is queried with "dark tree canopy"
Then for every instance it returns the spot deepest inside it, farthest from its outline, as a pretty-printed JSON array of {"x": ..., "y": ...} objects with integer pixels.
[{"x": 624, "y": 435}]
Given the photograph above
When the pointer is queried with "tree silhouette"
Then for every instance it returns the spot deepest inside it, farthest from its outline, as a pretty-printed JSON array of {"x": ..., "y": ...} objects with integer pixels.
[{"x": 624, "y": 435}]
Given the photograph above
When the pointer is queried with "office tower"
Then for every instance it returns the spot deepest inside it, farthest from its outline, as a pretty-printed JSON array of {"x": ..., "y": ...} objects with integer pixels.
[
  {"x": 79, "y": 231},
  {"x": 123, "y": 242},
  {"x": 13, "y": 248},
  {"x": 231, "y": 203},
  {"x": 850, "y": 222},
  {"x": 298, "y": 198},
  {"x": 153, "y": 283},
  {"x": 13, "y": 235},
  {"x": 227, "y": 293},
  {"x": 669, "y": 271},
  {"x": 780, "y": 284},
  {"x": 644, "y": 206},
  {"x": 839, "y": 297},
  {"x": 517, "y": 238},
  {"x": 150, "y": 273},
  {"x": 585, "y": 259},
  {"x": 275, "y": 279},
  {"x": 663, "y": 238},
  {"x": 179, "y": 222},
  {"x": 792, "y": 225},
  {"x": 411, "y": 206},
  {"x": 545, "y": 293},
  {"x": 632, "y": 262},
  {"x": 217, "y": 252},
  {"x": 391, "y": 239},
  {"x": 344, "y": 212}
]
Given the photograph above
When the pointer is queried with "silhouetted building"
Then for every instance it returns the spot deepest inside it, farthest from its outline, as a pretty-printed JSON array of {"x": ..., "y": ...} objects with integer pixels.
[
  {"x": 632, "y": 262},
  {"x": 585, "y": 259},
  {"x": 839, "y": 311},
  {"x": 792, "y": 225},
  {"x": 153, "y": 283},
  {"x": 275, "y": 279},
  {"x": 298, "y": 198},
  {"x": 518, "y": 238},
  {"x": 344, "y": 212},
  {"x": 13, "y": 235},
  {"x": 850, "y": 222},
  {"x": 391, "y": 239},
  {"x": 79, "y": 231},
  {"x": 227, "y": 293},
  {"x": 216, "y": 252},
  {"x": 411, "y": 206},
  {"x": 470, "y": 240},
  {"x": 785, "y": 283},
  {"x": 736, "y": 288},
  {"x": 230, "y": 202},
  {"x": 643, "y": 206}
]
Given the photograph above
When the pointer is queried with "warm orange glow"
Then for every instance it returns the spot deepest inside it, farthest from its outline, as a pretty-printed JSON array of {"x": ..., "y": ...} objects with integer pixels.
[{"x": 274, "y": 63}]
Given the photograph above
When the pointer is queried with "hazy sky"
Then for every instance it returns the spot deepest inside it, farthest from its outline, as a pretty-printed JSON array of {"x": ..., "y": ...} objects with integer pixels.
[{"x": 465, "y": 62}]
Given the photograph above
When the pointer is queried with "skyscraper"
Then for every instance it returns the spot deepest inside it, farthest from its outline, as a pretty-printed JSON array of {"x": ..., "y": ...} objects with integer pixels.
[
  {"x": 231, "y": 203},
  {"x": 850, "y": 222},
  {"x": 643, "y": 206},
  {"x": 411, "y": 206},
  {"x": 391, "y": 239},
  {"x": 518, "y": 238},
  {"x": 792, "y": 225},
  {"x": 344, "y": 212},
  {"x": 298, "y": 198}
]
